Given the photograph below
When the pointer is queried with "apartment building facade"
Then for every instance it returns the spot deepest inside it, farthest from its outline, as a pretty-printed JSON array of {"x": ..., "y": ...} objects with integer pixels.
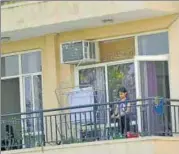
[{"x": 138, "y": 38}]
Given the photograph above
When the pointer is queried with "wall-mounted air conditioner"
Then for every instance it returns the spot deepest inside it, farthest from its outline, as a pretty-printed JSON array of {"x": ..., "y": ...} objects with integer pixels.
[{"x": 79, "y": 52}]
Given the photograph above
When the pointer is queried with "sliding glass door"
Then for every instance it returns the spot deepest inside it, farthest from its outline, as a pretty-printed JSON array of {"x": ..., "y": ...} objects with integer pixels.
[
  {"x": 106, "y": 81},
  {"x": 118, "y": 75},
  {"x": 33, "y": 100},
  {"x": 95, "y": 78},
  {"x": 121, "y": 75},
  {"x": 153, "y": 64},
  {"x": 154, "y": 79},
  {"x": 145, "y": 76},
  {"x": 21, "y": 75},
  {"x": 32, "y": 96}
]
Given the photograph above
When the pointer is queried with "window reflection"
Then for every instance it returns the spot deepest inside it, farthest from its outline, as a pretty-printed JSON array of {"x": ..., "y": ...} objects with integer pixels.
[
  {"x": 31, "y": 62},
  {"x": 37, "y": 100},
  {"x": 28, "y": 102},
  {"x": 154, "y": 79},
  {"x": 154, "y": 44},
  {"x": 9, "y": 66},
  {"x": 121, "y": 76}
]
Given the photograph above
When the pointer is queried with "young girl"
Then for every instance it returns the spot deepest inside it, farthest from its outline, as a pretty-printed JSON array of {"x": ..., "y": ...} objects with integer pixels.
[
  {"x": 124, "y": 110},
  {"x": 121, "y": 113}
]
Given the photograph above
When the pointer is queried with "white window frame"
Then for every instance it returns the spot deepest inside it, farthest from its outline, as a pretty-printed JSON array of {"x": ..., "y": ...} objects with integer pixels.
[
  {"x": 143, "y": 58},
  {"x": 137, "y": 59},
  {"x": 21, "y": 75},
  {"x": 105, "y": 65},
  {"x": 21, "y": 84}
]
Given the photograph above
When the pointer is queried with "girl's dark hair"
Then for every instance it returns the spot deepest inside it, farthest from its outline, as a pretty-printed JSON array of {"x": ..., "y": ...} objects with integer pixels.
[{"x": 122, "y": 89}]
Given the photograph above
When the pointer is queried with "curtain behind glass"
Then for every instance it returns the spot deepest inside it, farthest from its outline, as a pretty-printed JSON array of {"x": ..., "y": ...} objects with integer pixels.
[
  {"x": 37, "y": 100},
  {"x": 154, "y": 82},
  {"x": 95, "y": 77},
  {"x": 154, "y": 79}
]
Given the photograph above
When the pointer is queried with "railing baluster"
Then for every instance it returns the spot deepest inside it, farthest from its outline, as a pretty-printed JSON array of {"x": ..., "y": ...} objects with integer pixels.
[
  {"x": 24, "y": 131},
  {"x": 76, "y": 131},
  {"x": 86, "y": 129},
  {"x": 91, "y": 125},
  {"x": 66, "y": 127},
  {"x": 46, "y": 129},
  {"x": 51, "y": 131},
  {"x": 109, "y": 127},
  {"x": 61, "y": 128},
  {"x": 175, "y": 125},
  {"x": 81, "y": 130},
  {"x": 56, "y": 133},
  {"x": 33, "y": 127},
  {"x": 71, "y": 129}
]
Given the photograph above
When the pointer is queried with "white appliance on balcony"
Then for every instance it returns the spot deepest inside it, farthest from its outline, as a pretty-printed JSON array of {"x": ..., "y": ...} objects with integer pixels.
[{"x": 83, "y": 52}]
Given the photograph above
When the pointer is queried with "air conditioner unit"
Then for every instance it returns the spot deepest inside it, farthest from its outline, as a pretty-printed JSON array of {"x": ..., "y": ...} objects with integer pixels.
[{"x": 79, "y": 52}]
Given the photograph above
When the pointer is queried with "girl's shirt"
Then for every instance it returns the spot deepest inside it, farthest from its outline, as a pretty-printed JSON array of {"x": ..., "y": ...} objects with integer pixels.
[{"x": 124, "y": 108}]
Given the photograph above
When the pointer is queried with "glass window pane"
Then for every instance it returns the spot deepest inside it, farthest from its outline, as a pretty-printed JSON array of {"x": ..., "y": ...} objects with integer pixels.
[
  {"x": 9, "y": 66},
  {"x": 121, "y": 76},
  {"x": 37, "y": 100},
  {"x": 31, "y": 62},
  {"x": 154, "y": 44},
  {"x": 37, "y": 92},
  {"x": 155, "y": 82},
  {"x": 28, "y": 102},
  {"x": 154, "y": 79},
  {"x": 95, "y": 77}
]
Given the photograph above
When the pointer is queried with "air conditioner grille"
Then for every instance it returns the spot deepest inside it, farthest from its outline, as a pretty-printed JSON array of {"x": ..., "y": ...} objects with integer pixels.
[{"x": 72, "y": 51}]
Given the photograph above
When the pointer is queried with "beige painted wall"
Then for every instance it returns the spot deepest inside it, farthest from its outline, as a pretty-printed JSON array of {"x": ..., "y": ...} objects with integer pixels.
[
  {"x": 59, "y": 11},
  {"x": 148, "y": 145},
  {"x": 174, "y": 59},
  {"x": 64, "y": 11},
  {"x": 174, "y": 71},
  {"x": 121, "y": 29}
]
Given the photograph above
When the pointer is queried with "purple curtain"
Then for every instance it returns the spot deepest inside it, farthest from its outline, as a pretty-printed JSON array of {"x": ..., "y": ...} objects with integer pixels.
[{"x": 152, "y": 79}]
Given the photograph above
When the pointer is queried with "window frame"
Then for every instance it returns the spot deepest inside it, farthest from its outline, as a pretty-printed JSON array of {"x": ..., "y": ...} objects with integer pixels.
[
  {"x": 147, "y": 34},
  {"x": 5, "y": 66},
  {"x": 137, "y": 58},
  {"x": 21, "y": 77}
]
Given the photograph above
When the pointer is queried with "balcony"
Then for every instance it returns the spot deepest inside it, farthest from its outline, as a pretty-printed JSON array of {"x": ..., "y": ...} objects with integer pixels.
[
  {"x": 93, "y": 124},
  {"x": 60, "y": 16}
]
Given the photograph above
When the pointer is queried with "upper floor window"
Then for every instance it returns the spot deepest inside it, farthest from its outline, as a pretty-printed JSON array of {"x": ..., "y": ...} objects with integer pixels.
[
  {"x": 30, "y": 63},
  {"x": 153, "y": 44},
  {"x": 9, "y": 66}
]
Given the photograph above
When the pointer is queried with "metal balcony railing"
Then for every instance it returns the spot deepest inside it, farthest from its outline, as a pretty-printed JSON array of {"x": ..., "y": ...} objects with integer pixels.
[{"x": 77, "y": 124}]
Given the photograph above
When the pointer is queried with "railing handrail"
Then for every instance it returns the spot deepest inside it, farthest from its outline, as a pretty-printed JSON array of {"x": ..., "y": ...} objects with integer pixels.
[
  {"x": 85, "y": 106},
  {"x": 147, "y": 117}
]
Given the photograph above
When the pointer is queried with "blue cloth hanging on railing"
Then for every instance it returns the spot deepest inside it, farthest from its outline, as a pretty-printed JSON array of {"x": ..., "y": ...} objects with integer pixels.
[{"x": 159, "y": 106}]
